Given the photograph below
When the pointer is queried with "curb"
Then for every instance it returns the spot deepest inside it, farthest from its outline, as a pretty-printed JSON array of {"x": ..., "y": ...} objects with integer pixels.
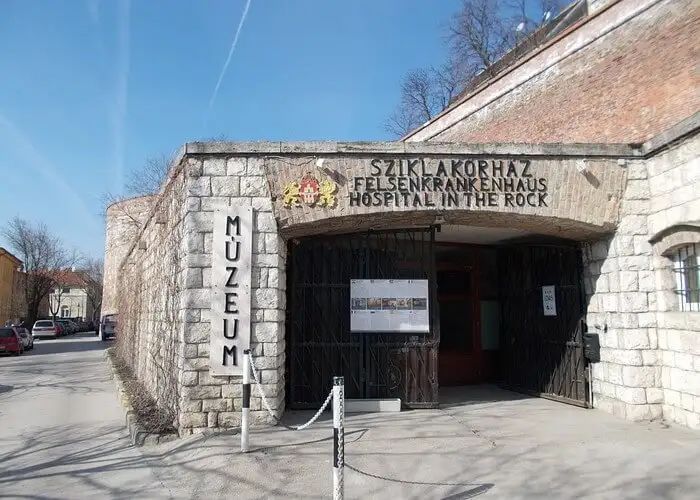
[{"x": 137, "y": 434}]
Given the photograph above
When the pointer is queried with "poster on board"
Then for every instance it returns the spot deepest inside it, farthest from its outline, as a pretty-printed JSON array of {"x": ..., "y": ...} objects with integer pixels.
[{"x": 399, "y": 306}]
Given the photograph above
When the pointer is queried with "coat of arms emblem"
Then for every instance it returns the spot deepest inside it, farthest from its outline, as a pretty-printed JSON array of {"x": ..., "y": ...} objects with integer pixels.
[{"x": 310, "y": 191}]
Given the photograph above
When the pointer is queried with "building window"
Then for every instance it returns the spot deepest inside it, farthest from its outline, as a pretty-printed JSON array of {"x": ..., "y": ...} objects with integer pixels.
[
  {"x": 65, "y": 312},
  {"x": 66, "y": 290},
  {"x": 687, "y": 271}
]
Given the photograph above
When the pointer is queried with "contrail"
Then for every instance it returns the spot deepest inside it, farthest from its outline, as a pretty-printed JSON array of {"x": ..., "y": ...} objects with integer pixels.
[{"x": 230, "y": 53}]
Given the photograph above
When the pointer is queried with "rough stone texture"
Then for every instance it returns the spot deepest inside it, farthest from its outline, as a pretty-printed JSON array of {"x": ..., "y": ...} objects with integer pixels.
[
  {"x": 578, "y": 206},
  {"x": 123, "y": 222},
  {"x": 649, "y": 363},
  {"x": 650, "y": 350},
  {"x": 674, "y": 181},
  {"x": 623, "y": 76},
  {"x": 234, "y": 181}
]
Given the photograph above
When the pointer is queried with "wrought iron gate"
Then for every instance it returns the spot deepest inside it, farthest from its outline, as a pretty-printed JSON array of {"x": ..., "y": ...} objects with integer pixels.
[
  {"x": 319, "y": 342},
  {"x": 543, "y": 354}
]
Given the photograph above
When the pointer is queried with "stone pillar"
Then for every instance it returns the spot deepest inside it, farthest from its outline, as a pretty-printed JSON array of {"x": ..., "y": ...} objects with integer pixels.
[
  {"x": 208, "y": 401},
  {"x": 620, "y": 288}
]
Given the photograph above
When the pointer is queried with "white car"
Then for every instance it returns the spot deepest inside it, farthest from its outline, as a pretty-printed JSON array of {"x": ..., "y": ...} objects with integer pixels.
[
  {"x": 26, "y": 338},
  {"x": 47, "y": 328}
]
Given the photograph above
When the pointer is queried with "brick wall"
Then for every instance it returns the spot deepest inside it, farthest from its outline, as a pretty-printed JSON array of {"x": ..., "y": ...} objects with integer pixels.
[{"x": 623, "y": 76}]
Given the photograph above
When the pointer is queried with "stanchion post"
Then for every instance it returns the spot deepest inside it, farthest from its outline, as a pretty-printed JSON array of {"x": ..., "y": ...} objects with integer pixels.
[
  {"x": 338, "y": 437},
  {"x": 245, "y": 410}
]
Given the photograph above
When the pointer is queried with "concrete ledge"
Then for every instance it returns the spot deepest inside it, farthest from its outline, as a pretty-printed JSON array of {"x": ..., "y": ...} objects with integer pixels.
[
  {"x": 372, "y": 405},
  {"x": 138, "y": 435},
  {"x": 406, "y": 148}
]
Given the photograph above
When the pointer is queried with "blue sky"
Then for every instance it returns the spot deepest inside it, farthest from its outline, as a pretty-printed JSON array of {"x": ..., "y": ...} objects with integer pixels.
[{"x": 90, "y": 88}]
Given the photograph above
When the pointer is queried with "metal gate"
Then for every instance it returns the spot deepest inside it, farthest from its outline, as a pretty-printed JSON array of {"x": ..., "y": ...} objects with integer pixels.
[
  {"x": 319, "y": 342},
  {"x": 543, "y": 354}
]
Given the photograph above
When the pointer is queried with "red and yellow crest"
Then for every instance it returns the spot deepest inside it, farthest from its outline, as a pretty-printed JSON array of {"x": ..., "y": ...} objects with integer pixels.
[{"x": 311, "y": 191}]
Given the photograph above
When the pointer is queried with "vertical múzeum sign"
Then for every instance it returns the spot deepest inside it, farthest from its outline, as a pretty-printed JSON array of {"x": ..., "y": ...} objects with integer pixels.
[{"x": 231, "y": 289}]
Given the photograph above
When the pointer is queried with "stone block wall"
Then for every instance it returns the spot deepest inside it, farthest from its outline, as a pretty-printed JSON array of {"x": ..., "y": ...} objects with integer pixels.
[
  {"x": 149, "y": 285},
  {"x": 679, "y": 357},
  {"x": 650, "y": 351},
  {"x": 213, "y": 182},
  {"x": 674, "y": 184},
  {"x": 123, "y": 221},
  {"x": 620, "y": 289}
]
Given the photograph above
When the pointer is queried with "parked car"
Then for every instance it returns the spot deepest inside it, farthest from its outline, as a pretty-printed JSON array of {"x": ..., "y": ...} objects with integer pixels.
[
  {"x": 10, "y": 341},
  {"x": 25, "y": 337},
  {"x": 47, "y": 328},
  {"x": 68, "y": 326},
  {"x": 108, "y": 326}
]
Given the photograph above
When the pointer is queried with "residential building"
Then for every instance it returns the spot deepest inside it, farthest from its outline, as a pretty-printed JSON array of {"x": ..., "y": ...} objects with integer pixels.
[{"x": 11, "y": 293}]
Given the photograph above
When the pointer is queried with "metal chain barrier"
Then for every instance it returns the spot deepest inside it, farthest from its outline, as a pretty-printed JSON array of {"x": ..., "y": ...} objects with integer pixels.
[
  {"x": 313, "y": 419},
  {"x": 337, "y": 395},
  {"x": 338, "y": 438}
]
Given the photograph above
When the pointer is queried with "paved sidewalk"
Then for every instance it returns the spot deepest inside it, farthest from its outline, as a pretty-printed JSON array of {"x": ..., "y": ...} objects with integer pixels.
[
  {"x": 498, "y": 445},
  {"x": 62, "y": 429}
]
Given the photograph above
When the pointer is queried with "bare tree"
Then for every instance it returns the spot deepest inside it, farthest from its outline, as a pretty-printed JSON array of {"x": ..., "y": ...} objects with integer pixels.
[
  {"x": 43, "y": 254},
  {"x": 424, "y": 94},
  {"x": 146, "y": 180},
  {"x": 149, "y": 178},
  {"x": 93, "y": 272},
  {"x": 56, "y": 294},
  {"x": 479, "y": 35}
]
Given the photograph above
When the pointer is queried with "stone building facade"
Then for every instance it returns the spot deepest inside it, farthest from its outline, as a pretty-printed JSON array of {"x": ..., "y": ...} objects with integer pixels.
[{"x": 621, "y": 187}]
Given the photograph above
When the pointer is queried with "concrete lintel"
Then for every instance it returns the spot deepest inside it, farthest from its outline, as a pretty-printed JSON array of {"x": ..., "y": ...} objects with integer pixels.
[{"x": 412, "y": 148}]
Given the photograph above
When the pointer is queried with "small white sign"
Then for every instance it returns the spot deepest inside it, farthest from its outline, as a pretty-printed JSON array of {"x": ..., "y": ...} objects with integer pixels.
[
  {"x": 399, "y": 306},
  {"x": 231, "y": 290},
  {"x": 549, "y": 301}
]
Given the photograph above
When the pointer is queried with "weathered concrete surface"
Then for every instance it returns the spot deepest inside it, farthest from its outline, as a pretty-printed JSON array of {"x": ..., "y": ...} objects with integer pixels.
[
  {"x": 498, "y": 445},
  {"x": 62, "y": 437},
  {"x": 62, "y": 429}
]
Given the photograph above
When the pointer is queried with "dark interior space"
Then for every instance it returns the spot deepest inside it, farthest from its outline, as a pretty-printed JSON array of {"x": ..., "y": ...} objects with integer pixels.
[{"x": 486, "y": 308}]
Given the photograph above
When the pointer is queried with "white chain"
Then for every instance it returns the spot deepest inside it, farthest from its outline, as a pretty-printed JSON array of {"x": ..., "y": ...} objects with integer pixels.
[
  {"x": 341, "y": 438},
  {"x": 267, "y": 405}
]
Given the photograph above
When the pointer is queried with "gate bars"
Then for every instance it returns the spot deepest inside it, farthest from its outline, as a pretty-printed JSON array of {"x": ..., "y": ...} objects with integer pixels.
[{"x": 337, "y": 394}]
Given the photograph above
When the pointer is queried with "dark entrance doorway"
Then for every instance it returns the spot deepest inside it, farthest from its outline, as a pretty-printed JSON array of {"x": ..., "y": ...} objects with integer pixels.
[
  {"x": 319, "y": 342},
  {"x": 469, "y": 313},
  {"x": 487, "y": 321}
]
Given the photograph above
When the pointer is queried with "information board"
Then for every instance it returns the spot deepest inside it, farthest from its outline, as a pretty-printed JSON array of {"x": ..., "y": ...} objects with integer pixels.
[{"x": 399, "y": 306}]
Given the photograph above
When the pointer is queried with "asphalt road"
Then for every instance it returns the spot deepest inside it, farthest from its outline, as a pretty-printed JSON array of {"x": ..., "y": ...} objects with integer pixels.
[{"x": 62, "y": 429}]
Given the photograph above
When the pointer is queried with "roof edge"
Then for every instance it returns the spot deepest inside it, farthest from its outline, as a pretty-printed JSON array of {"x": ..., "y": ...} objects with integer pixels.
[{"x": 193, "y": 149}]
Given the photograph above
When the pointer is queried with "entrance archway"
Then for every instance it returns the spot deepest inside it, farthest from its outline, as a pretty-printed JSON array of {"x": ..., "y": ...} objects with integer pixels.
[{"x": 487, "y": 322}]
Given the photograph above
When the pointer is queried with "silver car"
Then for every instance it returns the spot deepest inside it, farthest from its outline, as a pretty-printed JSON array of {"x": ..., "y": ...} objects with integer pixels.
[
  {"x": 108, "y": 326},
  {"x": 46, "y": 328}
]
